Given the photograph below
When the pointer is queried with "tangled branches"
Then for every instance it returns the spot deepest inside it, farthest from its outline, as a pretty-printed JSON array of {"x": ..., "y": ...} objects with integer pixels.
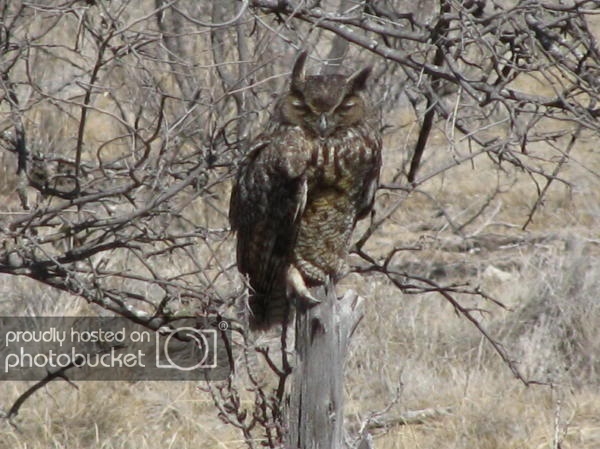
[{"x": 122, "y": 127}]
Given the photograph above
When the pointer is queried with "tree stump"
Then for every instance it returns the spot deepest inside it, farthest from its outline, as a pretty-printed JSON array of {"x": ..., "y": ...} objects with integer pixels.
[{"x": 315, "y": 405}]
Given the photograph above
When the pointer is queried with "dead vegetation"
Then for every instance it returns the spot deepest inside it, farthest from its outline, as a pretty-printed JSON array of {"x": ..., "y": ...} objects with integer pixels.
[{"x": 121, "y": 128}]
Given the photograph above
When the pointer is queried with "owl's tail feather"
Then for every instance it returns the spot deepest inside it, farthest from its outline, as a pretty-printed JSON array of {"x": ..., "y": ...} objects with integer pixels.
[{"x": 267, "y": 311}]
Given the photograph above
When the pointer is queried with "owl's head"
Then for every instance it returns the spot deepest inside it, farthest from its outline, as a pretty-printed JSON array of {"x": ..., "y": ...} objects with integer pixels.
[{"x": 323, "y": 104}]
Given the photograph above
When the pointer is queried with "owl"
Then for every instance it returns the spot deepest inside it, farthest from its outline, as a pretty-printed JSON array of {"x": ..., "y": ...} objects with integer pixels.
[{"x": 301, "y": 188}]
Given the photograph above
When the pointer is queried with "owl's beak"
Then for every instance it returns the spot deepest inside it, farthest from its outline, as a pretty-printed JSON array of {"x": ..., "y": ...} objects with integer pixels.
[{"x": 323, "y": 125}]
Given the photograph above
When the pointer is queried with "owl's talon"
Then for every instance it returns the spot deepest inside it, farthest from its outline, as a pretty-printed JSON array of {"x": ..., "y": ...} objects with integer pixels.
[
  {"x": 309, "y": 300},
  {"x": 296, "y": 288}
]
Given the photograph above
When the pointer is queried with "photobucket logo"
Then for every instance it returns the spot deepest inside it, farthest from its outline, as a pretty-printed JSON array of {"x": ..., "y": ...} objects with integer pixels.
[
  {"x": 53, "y": 360},
  {"x": 113, "y": 348},
  {"x": 186, "y": 348}
]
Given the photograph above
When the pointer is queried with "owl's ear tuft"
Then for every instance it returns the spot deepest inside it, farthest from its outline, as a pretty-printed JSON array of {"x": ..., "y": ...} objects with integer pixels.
[
  {"x": 358, "y": 80},
  {"x": 298, "y": 71}
]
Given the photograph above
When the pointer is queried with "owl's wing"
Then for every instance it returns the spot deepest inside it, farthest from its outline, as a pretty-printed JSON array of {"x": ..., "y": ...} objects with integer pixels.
[{"x": 267, "y": 201}]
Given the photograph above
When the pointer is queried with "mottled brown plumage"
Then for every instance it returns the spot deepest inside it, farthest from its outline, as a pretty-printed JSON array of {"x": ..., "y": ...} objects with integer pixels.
[{"x": 301, "y": 188}]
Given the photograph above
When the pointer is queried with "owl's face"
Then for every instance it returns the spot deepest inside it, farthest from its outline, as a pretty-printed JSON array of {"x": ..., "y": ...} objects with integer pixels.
[{"x": 323, "y": 104}]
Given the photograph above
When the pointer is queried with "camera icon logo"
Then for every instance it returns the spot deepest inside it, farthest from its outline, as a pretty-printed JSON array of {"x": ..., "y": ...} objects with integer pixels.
[{"x": 186, "y": 349}]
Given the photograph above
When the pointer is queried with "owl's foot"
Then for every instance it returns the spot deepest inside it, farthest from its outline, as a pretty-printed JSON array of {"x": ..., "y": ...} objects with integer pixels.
[
  {"x": 296, "y": 287},
  {"x": 309, "y": 300}
]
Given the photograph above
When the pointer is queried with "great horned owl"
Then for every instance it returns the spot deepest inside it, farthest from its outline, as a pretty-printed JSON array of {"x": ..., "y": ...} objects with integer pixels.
[{"x": 302, "y": 187}]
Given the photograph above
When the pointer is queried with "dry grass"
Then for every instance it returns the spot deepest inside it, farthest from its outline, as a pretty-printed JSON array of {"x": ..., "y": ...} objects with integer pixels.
[{"x": 414, "y": 352}]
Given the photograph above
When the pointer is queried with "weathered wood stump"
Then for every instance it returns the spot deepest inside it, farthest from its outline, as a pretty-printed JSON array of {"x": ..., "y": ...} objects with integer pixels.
[{"x": 315, "y": 405}]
